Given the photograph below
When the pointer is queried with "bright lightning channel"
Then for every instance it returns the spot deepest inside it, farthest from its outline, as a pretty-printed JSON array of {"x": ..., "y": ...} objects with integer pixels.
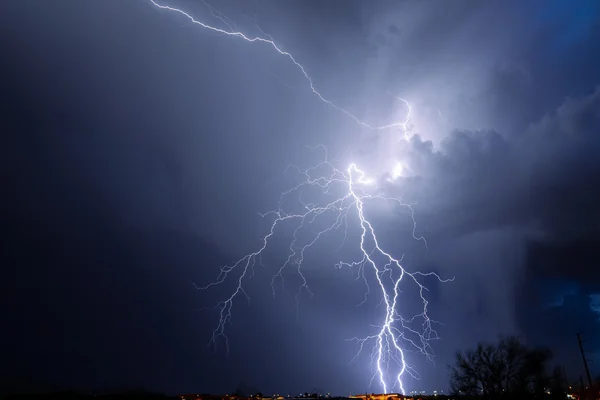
[{"x": 344, "y": 193}]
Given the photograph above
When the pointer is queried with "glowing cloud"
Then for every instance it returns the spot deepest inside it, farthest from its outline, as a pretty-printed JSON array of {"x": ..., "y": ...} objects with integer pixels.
[{"x": 397, "y": 170}]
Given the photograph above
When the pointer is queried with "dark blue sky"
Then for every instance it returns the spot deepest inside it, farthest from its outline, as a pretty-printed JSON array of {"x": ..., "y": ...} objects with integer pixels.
[{"x": 138, "y": 149}]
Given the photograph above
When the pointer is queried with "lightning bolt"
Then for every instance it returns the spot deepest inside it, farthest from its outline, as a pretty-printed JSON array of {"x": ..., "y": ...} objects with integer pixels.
[
  {"x": 269, "y": 41},
  {"x": 343, "y": 194}
]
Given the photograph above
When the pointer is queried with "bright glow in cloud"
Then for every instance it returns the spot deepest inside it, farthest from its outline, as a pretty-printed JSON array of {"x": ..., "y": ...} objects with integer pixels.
[{"x": 397, "y": 170}]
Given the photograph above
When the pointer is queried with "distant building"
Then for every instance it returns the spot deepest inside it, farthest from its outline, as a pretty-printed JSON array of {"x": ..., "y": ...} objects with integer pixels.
[
  {"x": 210, "y": 397},
  {"x": 228, "y": 397},
  {"x": 379, "y": 396}
]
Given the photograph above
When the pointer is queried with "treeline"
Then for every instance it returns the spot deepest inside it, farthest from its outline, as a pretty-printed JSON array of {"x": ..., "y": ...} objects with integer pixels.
[{"x": 510, "y": 369}]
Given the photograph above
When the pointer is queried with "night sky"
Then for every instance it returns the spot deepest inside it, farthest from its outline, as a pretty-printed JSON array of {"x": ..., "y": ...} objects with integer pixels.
[{"x": 138, "y": 149}]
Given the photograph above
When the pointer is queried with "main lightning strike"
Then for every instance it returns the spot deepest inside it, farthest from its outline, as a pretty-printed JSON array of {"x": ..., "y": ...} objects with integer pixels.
[
  {"x": 396, "y": 333},
  {"x": 269, "y": 41},
  {"x": 344, "y": 193}
]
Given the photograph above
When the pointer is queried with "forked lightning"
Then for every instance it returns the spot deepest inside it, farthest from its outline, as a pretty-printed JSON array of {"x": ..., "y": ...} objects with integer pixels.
[{"x": 339, "y": 197}]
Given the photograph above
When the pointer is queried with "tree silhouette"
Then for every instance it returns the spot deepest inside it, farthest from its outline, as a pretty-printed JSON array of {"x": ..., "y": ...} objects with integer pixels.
[{"x": 506, "y": 369}]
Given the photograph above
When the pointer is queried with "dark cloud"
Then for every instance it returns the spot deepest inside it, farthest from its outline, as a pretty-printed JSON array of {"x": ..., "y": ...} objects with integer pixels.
[
  {"x": 394, "y": 30},
  {"x": 541, "y": 180},
  {"x": 537, "y": 191}
]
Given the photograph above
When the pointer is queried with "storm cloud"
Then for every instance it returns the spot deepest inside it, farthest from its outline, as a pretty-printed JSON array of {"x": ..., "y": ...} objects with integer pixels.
[{"x": 138, "y": 151}]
